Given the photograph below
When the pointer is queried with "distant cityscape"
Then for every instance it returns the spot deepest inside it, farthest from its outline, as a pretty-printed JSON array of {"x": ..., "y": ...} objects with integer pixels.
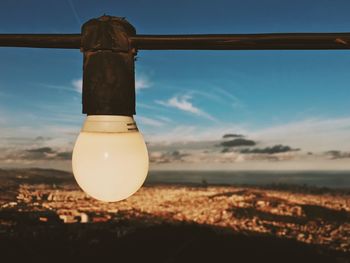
[{"x": 313, "y": 218}]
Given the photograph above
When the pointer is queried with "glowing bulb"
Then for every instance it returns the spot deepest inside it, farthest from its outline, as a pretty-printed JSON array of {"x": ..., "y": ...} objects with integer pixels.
[{"x": 110, "y": 159}]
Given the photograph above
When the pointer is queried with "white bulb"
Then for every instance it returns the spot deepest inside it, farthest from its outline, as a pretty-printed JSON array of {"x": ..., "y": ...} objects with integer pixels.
[{"x": 110, "y": 159}]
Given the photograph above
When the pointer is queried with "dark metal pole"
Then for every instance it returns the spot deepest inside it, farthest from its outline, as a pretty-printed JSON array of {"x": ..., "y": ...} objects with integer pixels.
[
  {"x": 41, "y": 40},
  {"x": 290, "y": 41},
  {"x": 287, "y": 41}
]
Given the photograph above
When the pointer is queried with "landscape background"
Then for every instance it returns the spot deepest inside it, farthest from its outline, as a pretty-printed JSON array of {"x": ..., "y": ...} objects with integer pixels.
[{"x": 249, "y": 150}]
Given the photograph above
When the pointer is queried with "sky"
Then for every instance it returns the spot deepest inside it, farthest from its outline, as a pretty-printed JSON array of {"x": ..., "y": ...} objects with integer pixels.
[{"x": 293, "y": 105}]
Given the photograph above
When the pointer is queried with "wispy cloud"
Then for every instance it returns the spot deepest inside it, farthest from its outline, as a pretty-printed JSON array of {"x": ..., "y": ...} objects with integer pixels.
[
  {"x": 142, "y": 82},
  {"x": 188, "y": 133},
  {"x": 78, "y": 85},
  {"x": 234, "y": 101},
  {"x": 183, "y": 103},
  {"x": 75, "y": 13},
  {"x": 35, "y": 154},
  {"x": 55, "y": 87},
  {"x": 149, "y": 121},
  {"x": 314, "y": 134},
  {"x": 165, "y": 119},
  {"x": 148, "y": 107}
]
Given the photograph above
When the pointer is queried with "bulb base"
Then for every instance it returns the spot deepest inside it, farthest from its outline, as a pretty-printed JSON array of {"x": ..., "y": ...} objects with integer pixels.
[{"x": 109, "y": 124}]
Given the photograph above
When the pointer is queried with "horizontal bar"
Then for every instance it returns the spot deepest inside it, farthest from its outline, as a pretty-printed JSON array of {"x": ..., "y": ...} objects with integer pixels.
[
  {"x": 41, "y": 40},
  {"x": 288, "y": 41}
]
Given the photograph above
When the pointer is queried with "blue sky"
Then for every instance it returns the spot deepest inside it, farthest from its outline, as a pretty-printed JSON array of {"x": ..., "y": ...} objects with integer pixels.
[{"x": 299, "y": 98}]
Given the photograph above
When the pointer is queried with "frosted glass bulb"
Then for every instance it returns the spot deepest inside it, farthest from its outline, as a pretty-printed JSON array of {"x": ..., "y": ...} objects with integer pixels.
[{"x": 110, "y": 159}]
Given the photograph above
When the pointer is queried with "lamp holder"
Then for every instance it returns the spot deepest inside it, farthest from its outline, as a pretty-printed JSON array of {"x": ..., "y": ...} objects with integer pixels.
[{"x": 108, "y": 67}]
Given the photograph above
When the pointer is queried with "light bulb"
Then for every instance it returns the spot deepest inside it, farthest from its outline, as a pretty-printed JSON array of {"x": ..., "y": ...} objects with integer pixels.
[{"x": 110, "y": 158}]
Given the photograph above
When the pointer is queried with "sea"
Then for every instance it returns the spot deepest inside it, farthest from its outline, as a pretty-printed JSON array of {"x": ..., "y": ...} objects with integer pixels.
[{"x": 323, "y": 179}]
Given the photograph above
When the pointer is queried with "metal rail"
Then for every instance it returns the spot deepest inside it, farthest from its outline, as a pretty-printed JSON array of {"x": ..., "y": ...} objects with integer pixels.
[
  {"x": 285, "y": 41},
  {"x": 41, "y": 40}
]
